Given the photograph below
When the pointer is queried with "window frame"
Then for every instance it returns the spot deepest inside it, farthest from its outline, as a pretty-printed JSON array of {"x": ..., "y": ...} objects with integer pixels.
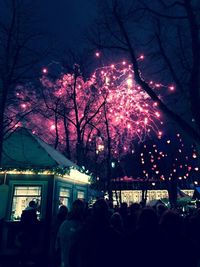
[{"x": 31, "y": 183}]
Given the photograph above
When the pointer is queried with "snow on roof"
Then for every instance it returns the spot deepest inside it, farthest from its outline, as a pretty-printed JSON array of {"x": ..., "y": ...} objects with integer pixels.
[{"x": 22, "y": 149}]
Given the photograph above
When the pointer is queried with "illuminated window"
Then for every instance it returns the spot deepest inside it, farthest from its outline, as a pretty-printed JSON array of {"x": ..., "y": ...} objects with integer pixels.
[
  {"x": 80, "y": 195},
  {"x": 64, "y": 196},
  {"x": 21, "y": 198}
]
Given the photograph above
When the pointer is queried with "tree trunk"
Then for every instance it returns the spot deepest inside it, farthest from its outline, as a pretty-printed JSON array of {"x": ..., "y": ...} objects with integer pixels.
[
  {"x": 172, "y": 192},
  {"x": 67, "y": 147},
  {"x": 3, "y": 98}
]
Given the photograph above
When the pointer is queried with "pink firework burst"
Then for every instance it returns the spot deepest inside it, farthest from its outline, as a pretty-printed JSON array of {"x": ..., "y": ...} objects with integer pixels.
[{"x": 129, "y": 108}]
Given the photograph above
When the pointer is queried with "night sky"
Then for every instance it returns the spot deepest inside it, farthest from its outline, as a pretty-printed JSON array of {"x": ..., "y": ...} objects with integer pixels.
[{"x": 67, "y": 21}]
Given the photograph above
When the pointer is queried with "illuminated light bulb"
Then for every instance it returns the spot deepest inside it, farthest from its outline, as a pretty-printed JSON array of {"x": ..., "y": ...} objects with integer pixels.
[
  {"x": 45, "y": 70},
  {"x": 97, "y": 54},
  {"x": 151, "y": 82},
  {"x": 112, "y": 66},
  {"x": 157, "y": 85},
  {"x": 141, "y": 56},
  {"x": 160, "y": 133},
  {"x": 153, "y": 184},
  {"x": 146, "y": 120},
  {"x": 168, "y": 141},
  {"x": 194, "y": 155},
  {"x": 196, "y": 169},
  {"x": 128, "y": 126},
  {"x": 124, "y": 62},
  {"x": 180, "y": 178},
  {"x": 195, "y": 182}
]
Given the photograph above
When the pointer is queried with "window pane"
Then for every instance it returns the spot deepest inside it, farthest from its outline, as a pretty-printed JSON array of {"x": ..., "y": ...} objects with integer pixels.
[
  {"x": 64, "y": 196},
  {"x": 22, "y": 197},
  {"x": 80, "y": 195},
  {"x": 64, "y": 201},
  {"x": 27, "y": 191},
  {"x": 64, "y": 192}
]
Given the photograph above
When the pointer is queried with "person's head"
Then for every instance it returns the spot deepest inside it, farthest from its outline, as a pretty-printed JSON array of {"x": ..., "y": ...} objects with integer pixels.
[
  {"x": 124, "y": 209},
  {"x": 63, "y": 210},
  {"x": 77, "y": 210},
  {"x": 134, "y": 208},
  {"x": 160, "y": 208},
  {"x": 148, "y": 219},
  {"x": 171, "y": 222},
  {"x": 116, "y": 220},
  {"x": 100, "y": 209},
  {"x": 32, "y": 204}
]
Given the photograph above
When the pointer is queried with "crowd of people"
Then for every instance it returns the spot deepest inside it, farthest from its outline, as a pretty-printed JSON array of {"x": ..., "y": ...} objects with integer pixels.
[{"x": 126, "y": 236}]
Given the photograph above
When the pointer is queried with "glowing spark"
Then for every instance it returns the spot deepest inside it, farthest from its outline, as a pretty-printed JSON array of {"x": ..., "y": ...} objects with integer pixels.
[
  {"x": 171, "y": 88},
  {"x": 45, "y": 70},
  {"x": 52, "y": 127}
]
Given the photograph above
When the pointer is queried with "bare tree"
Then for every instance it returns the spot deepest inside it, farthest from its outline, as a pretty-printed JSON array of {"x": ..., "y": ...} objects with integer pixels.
[
  {"x": 174, "y": 55},
  {"x": 19, "y": 51},
  {"x": 170, "y": 36}
]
